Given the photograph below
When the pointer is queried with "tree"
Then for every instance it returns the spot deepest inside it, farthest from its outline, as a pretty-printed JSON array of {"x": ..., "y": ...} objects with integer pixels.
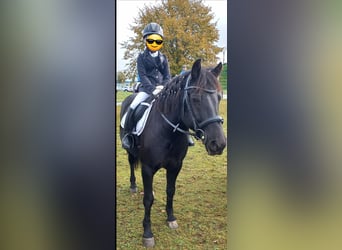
[
  {"x": 121, "y": 77},
  {"x": 189, "y": 34}
]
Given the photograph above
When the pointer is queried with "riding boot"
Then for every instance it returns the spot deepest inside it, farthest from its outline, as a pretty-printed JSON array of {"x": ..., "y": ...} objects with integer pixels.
[
  {"x": 127, "y": 139},
  {"x": 190, "y": 141}
]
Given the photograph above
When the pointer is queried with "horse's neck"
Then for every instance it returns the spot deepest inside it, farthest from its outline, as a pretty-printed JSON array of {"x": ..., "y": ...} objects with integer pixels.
[{"x": 169, "y": 117}]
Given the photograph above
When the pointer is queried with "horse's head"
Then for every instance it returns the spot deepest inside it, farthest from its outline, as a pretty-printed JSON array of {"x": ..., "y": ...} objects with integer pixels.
[{"x": 202, "y": 96}]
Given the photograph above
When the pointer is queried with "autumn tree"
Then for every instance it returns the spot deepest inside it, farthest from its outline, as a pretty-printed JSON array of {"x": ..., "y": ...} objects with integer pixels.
[
  {"x": 121, "y": 76},
  {"x": 189, "y": 34}
]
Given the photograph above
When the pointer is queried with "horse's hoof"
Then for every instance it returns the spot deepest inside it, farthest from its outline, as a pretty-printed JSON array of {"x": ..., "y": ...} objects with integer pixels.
[
  {"x": 173, "y": 224},
  {"x": 148, "y": 242},
  {"x": 134, "y": 190}
]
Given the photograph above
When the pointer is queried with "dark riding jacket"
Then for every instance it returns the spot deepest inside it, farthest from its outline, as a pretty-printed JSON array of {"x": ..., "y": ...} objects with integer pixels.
[{"x": 152, "y": 71}]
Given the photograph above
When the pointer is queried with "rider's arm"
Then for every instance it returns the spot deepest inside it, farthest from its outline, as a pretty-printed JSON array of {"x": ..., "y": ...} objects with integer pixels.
[{"x": 145, "y": 81}]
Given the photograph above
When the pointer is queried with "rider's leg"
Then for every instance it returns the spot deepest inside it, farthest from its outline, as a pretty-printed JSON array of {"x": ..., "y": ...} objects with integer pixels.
[
  {"x": 141, "y": 96},
  {"x": 127, "y": 140}
]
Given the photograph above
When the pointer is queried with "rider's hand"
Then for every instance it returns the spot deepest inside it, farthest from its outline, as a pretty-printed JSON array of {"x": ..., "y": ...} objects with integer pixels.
[{"x": 157, "y": 90}]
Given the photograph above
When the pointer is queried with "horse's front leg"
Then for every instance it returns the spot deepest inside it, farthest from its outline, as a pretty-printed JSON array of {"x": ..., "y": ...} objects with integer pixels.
[
  {"x": 171, "y": 175},
  {"x": 147, "y": 176}
]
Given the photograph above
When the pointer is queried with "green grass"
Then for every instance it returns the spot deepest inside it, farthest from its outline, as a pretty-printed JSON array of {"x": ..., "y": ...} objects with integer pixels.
[{"x": 200, "y": 202}]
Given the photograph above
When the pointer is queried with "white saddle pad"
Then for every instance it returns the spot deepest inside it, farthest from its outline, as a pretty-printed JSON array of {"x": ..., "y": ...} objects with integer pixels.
[{"x": 142, "y": 122}]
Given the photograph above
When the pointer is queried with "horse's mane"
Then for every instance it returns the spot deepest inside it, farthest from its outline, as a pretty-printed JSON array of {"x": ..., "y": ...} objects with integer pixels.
[{"x": 171, "y": 98}]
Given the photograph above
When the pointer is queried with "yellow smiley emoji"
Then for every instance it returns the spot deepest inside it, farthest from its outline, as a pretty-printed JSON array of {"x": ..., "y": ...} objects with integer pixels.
[{"x": 154, "y": 42}]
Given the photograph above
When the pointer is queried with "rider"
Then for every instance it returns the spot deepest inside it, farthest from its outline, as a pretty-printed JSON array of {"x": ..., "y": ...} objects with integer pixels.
[{"x": 154, "y": 74}]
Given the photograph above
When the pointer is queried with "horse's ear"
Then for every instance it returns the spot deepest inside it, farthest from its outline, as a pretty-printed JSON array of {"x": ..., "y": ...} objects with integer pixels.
[
  {"x": 217, "y": 70},
  {"x": 196, "y": 69}
]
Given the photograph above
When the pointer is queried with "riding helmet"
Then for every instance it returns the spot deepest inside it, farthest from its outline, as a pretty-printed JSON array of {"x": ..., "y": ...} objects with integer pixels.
[{"x": 153, "y": 28}]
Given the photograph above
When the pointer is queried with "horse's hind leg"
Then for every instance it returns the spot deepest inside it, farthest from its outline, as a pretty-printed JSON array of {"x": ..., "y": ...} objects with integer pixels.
[
  {"x": 132, "y": 163},
  {"x": 171, "y": 175}
]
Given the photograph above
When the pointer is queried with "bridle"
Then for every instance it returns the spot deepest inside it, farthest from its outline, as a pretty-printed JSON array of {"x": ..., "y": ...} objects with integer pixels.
[{"x": 197, "y": 126}]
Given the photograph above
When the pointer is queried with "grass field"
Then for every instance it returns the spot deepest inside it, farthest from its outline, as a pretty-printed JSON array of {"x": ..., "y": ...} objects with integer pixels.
[
  {"x": 121, "y": 95},
  {"x": 200, "y": 202}
]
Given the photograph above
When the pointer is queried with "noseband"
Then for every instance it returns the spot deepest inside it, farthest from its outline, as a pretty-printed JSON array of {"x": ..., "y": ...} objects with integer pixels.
[{"x": 197, "y": 126}]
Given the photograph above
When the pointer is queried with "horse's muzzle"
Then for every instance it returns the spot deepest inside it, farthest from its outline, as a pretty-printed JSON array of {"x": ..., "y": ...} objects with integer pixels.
[{"x": 215, "y": 146}]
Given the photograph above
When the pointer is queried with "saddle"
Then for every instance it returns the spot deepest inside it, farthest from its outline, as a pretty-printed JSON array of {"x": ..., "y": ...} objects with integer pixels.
[{"x": 140, "y": 115}]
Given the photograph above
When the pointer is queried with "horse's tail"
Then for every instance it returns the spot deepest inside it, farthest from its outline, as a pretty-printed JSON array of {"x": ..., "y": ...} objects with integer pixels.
[{"x": 133, "y": 160}]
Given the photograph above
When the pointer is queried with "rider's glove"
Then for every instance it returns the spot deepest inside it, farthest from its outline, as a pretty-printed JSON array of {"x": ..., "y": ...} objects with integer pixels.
[{"x": 157, "y": 90}]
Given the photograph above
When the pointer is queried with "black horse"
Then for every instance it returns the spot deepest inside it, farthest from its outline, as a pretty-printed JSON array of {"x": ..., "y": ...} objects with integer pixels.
[{"x": 189, "y": 102}]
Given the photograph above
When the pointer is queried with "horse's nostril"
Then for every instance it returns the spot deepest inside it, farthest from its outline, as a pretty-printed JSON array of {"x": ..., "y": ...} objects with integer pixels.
[
  {"x": 216, "y": 146},
  {"x": 213, "y": 144}
]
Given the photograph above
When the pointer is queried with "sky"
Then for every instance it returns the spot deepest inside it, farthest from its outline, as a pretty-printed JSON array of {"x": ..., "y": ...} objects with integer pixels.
[{"x": 127, "y": 10}]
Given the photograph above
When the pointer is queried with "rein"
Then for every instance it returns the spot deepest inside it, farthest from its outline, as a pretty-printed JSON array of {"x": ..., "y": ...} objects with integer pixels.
[{"x": 197, "y": 127}]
